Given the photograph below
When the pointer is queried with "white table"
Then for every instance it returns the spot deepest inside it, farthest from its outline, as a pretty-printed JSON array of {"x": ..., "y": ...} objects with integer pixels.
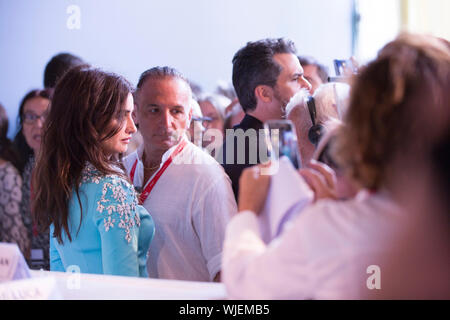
[{"x": 103, "y": 287}]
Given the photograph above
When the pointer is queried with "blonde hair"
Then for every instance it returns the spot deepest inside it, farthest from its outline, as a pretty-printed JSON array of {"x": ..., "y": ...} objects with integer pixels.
[
  {"x": 218, "y": 101},
  {"x": 331, "y": 101}
]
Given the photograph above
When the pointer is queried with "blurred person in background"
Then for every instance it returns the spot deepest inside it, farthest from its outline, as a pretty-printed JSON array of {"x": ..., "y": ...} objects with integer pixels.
[
  {"x": 226, "y": 89},
  {"x": 345, "y": 187},
  {"x": 196, "y": 128},
  {"x": 12, "y": 228},
  {"x": 57, "y": 66},
  {"x": 233, "y": 112},
  {"x": 315, "y": 73},
  {"x": 310, "y": 113},
  {"x": 233, "y": 115},
  {"x": 213, "y": 107},
  {"x": 33, "y": 111},
  {"x": 196, "y": 88}
]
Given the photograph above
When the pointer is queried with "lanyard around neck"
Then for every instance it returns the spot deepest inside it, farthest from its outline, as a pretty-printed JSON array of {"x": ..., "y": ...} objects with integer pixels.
[{"x": 148, "y": 188}]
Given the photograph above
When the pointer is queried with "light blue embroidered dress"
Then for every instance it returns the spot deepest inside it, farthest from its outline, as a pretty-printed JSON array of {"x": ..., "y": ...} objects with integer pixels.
[{"x": 115, "y": 231}]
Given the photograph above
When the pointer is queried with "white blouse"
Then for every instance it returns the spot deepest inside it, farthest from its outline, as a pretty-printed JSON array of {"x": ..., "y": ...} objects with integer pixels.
[{"x": 323, "y": 253}]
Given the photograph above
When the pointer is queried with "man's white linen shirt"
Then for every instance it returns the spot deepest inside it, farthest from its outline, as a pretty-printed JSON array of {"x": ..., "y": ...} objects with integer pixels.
[
  {"x": 323, "y": 253},
  {"x": 191, "y": 204}
]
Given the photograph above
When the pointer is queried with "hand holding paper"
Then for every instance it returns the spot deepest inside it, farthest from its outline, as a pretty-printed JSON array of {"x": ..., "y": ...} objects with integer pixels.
[{"x": 253, "y": 188}]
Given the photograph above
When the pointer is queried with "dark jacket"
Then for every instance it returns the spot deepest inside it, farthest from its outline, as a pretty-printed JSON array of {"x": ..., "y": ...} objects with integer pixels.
[{"x": 247, "y": 146}]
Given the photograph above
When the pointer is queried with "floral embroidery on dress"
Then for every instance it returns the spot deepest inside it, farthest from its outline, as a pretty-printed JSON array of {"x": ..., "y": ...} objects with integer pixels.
[{"x": 114, "y": 200}]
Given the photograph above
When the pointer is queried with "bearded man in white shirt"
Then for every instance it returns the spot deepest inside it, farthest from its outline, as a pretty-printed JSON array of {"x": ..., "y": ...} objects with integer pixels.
[{"x": 185, "y": 189}]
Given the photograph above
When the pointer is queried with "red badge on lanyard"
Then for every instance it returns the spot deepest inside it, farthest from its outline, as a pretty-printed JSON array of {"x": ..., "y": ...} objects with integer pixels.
[{"x": 148, "y": 188}]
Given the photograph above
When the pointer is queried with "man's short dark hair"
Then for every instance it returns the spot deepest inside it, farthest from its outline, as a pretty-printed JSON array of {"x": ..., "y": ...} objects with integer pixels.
[
  {"x": 322, "y": 71},
  {"x": 57, "y": 66},
  {"x": 160, "y": 73},
  {"x": 253, "y": 65}
]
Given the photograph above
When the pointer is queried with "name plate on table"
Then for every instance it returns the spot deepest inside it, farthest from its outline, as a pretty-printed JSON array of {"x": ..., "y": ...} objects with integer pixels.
[
  {"x": 12, "y": 263},
  {"x": 30, "y": 289}
]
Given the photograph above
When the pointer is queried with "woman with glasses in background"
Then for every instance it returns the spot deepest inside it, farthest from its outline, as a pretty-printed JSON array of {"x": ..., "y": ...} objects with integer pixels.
[{"x": 32, "y": 112}]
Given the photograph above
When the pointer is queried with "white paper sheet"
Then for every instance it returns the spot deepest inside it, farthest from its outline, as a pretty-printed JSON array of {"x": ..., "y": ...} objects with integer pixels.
[
  {"x": 288, "y": 195},
  {"x": 12, "y": 263}
]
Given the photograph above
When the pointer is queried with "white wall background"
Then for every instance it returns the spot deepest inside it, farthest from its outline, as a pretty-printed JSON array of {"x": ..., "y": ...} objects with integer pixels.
[
  {"x": 380, "y": 23},
  {"x": 199, "y": 37}
]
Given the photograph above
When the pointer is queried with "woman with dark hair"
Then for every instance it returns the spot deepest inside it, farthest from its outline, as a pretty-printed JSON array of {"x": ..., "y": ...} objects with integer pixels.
[
  {"x": 27, "y": 142},
  {"x": 12, "y": 228},
  {"x": 81, "y": 191},
  {"x": 32, "y": 111}
]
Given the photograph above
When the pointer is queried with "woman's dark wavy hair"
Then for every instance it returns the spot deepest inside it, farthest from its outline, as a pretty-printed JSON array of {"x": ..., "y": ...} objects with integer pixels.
[
  {"x": 7, "y": 151},
  {"x": 20, "y": 143},
  {"x": 84, "y": 104}
]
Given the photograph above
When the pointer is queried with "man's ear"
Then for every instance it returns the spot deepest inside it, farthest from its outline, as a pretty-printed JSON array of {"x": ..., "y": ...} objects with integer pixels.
[{"x": 263, "y": 93}]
